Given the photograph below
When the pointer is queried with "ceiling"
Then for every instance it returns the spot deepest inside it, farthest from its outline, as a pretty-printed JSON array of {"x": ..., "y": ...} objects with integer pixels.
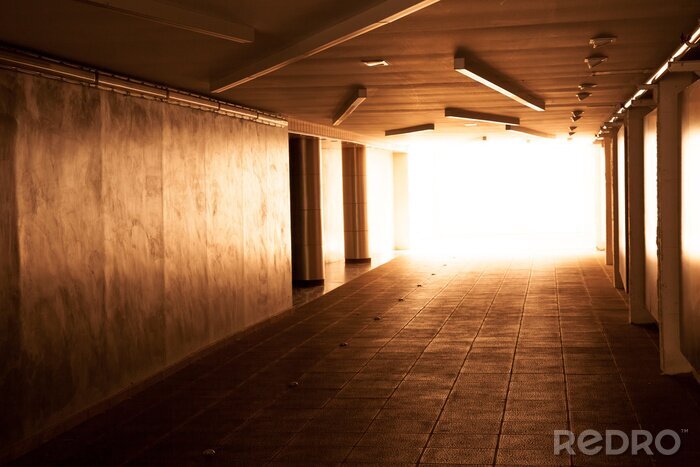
[{"x": 538, "y": 44}]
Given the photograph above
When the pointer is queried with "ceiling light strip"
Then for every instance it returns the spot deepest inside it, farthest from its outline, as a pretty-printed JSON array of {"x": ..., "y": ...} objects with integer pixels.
[
  {"x": 663, "y": 69},
  {"x": 23, "y": 62},
  {"x": 410, "y": 129},
  {"x": 463, "y": 114},
  {"x": 358, "y": 97},
  {"x": 471, "y": 70},
  {"x": 529, "y": 132}
]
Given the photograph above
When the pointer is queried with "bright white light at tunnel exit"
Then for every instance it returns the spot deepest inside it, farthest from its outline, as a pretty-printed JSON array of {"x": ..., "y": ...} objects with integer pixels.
[{"x": 507, "y": 197}]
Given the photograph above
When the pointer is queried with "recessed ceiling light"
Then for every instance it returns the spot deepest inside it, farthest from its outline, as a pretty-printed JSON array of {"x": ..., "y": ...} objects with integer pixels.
[
  {"x": 602, "y": 40},
  {"x": 410, "y": 129},
  {"x": 462, "y": 114},
  {"x": 583, "y": 95},
  {"x": 595, "y": 60},
  {"x": 375, "y": 62},
  {"x": 487, "y": 78}
]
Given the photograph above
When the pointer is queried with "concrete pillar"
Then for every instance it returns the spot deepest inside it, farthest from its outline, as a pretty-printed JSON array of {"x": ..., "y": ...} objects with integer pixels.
[
  {"x": 611, "y": 140},
  {"x": 355, "y": 204},
  {"x": 401, "y": 206},
  {"x": 669, "y": 225},
  {"x": 636, "y": 254},
  {"x": 307, "y": 230},
  {"x": 607, "y": 149}
]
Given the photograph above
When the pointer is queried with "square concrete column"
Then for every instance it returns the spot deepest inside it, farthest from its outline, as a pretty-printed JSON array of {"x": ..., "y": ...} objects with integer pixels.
[
  {"x": 611, "y": 146},
  {"x": 636, "y": 254},
  {"x": 607, "y": 149},
  {"x": 669, "y": 224}
]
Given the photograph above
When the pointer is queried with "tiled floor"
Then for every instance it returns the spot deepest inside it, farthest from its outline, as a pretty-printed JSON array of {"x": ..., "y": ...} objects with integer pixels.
[
  {"x": 337, "y": 274},
  {"x": 416, "y": 361}
]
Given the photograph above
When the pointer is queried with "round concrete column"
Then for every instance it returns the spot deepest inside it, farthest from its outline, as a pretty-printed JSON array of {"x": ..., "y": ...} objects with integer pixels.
[
  {"x": 305, "y": 186},
  {"x": 355, "y": 204}
]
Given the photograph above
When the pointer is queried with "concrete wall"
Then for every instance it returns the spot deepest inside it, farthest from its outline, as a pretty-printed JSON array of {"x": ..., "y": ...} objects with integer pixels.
[
  {"x": 380, "y": 201},
  {"x": 622, "y": 203},
  {"x": 332, "y": 201},
  {"x": 134, "y": 233},
  {"x": 690, "y": 225},
  {"x": 651, "y": 269}
]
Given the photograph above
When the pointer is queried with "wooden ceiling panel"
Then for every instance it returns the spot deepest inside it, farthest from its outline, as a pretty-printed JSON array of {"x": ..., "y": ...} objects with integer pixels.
[{"x": 539, "y": 44}]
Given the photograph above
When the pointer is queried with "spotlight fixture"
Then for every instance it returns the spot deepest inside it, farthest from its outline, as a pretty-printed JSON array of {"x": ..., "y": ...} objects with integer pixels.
[
  {"x": 595, "y": 60},
  {"x": 572, "y": 133},
  {"x": 576, "y": 115},
  {"x": 602, "y": 40},
  {"x": 357, "y": 98},
  {"x": 462, "y": 114},
  {"x": 410, "y": 129},
  {"x": 375, "y": 62},
  {"x": 529, "y": 131},
  {"x": 583, "y": 95},
  {"x": 572, "y": 128},
  {"x": 587, "y": 86},
  {"x": 487, "y": 78}
]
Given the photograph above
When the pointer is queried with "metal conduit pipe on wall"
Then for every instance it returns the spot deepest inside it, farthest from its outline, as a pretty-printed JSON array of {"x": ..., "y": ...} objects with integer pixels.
[
  {"x": 355, "y": 204},
  {"x": 305, "y": 185}
]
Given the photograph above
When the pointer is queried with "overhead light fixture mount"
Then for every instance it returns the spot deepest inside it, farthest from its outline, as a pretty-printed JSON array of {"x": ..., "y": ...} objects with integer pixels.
[
  {"x": 595, "y": 60},
  {"x": 602, "y": 40},
  {"x": 587, "y": 86}
]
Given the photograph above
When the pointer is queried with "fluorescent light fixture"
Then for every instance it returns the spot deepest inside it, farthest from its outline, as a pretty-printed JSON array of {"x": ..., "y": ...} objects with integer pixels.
[
  {"x": 462, "y": 114},
  {"x": 470, "y": 124},
  {"x": 484, "y": 77},
  {"x": 237, "y": 112},
  {"x": 410, "y": 129},
  {"x": 602, "y": 40},
  {"x": 375, "y": 62},
  {"x": 595, "y": 60},
  {"x": 620, "y": 72},
  {"x": 659, "y": 73},
  {"x": 583, "y": 95},
  {"x": 529, "y": 131},
  {"x": 192, "y": 100},
  {"x": 45, "y": 66},
  {"x": 131, "y": 87},
  {"x": 358, "y": 97}
]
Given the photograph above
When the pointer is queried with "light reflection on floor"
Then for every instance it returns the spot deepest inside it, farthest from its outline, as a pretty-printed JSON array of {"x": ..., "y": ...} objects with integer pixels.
[{"x": 337, "y": 274}]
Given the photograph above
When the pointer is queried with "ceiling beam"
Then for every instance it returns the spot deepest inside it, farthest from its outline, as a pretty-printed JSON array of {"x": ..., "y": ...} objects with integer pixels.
[
  {"x": 379, "y": 15},
  {"x": 176, "y": 17}
]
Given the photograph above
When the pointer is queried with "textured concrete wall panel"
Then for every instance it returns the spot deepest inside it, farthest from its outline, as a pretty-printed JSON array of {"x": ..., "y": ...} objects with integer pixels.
[{"x": 134, "y": 233}]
